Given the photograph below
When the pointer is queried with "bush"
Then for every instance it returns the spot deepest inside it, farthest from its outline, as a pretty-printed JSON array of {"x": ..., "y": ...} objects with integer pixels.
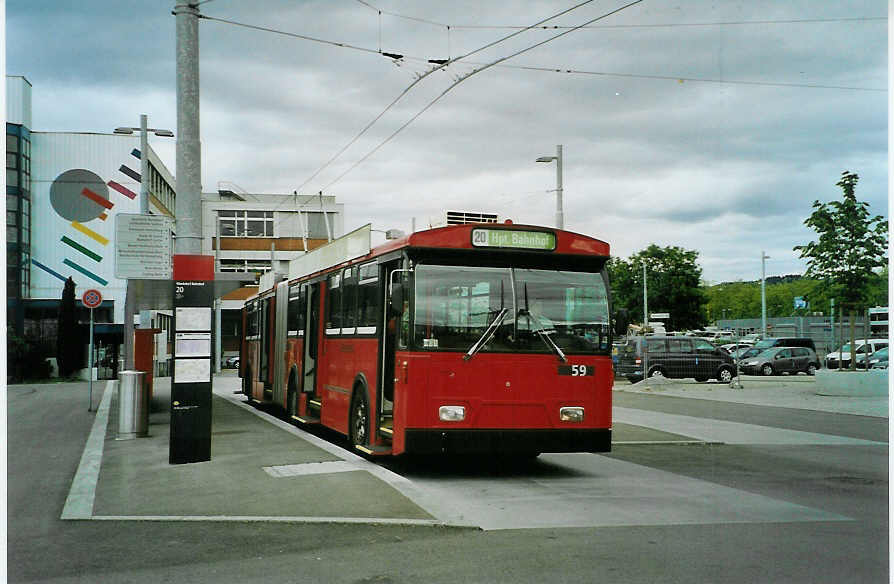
[{"x": 25, "y": 359}]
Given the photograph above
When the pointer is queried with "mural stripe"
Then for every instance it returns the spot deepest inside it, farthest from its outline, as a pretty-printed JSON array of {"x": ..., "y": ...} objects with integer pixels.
[
  {"x": 103, "y": 217},
  {"x": 81, "y": 249},
  {"x": 90, "y": 233},
  {"x": 84, "y": 271},
  {"x": 97, "y": 199},
  {"x": 122, "y": 189},
  {"x": 131, "y": 173},
  {"x": 48, "y": 270}
]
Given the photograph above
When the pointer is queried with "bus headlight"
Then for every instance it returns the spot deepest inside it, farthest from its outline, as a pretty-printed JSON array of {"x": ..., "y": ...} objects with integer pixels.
[
  {"x": 574, "y": 414},
  {"x": 452, "y": 413}
]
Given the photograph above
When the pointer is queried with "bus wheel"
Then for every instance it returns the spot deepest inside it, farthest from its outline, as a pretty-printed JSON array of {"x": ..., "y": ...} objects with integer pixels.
[{"x": 359, "y": 419}]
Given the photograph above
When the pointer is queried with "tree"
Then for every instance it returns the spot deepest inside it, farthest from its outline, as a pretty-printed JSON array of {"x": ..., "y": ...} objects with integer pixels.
[
  {"x": 69, "y": 345},
  {"x": 673, "y": 278},
  {"x": 851, "y": 245}
]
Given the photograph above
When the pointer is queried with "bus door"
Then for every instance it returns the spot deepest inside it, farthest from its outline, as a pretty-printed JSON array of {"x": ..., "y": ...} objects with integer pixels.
[
  {"x": 265, "y": 330},
  {"x": 394, "y": 310},
  {"x": 311, "y": 346}
]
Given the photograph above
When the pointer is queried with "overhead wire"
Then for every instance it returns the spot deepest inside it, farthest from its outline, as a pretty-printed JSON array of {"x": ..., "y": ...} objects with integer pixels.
[
  {"x": 463, "y": 78},
  {"x": 519, "y": 30},
  {"x": 686, "y": 24},
  {"x": 420, "y": 78},
  {"x": 689, "y": 79},
  {"x": 404, "y": 92}
]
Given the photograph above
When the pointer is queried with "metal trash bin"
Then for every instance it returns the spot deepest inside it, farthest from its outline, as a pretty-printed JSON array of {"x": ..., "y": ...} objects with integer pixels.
[{"x": 133, "y": 405}]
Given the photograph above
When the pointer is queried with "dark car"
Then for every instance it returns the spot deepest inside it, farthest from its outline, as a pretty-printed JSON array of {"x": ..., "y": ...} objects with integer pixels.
[
  {"x": 674, "y": 357},
  {"x": 779, "y": 360},
  {"x": 771, "y": 342}
]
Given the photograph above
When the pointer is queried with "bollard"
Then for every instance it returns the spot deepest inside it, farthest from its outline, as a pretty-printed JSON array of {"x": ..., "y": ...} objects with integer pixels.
[{"x": 133, "y": 405}]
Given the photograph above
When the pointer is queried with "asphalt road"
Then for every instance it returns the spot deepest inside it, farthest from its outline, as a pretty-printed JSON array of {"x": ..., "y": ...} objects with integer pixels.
[{"x": 798, "y": 512}]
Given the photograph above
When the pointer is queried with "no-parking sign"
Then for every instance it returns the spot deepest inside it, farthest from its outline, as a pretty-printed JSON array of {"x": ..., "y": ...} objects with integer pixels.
[{"x": 91, "y": 298}]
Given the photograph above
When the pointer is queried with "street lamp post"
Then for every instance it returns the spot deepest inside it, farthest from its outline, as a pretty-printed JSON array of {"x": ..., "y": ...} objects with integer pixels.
[
  {"x": 764, "y": 258},
  {"x": 144, "y": 130},
  {"x": 560, "y": 217}
]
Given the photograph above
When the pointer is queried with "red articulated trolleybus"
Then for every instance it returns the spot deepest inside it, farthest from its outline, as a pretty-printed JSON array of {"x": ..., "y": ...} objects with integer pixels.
[{"x": 463, "y": 339}]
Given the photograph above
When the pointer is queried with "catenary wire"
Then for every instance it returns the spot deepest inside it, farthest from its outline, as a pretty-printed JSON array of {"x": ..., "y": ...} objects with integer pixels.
[
  {"x": 461, "y": 79},
  {"x": 410, "y": 87},
  {"x": 420, "y": 78},
  {"x": 406, "y": 90}
]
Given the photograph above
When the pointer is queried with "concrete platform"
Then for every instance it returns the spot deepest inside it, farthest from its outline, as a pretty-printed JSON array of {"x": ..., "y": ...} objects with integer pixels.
[{"x": 260, "y": 470}]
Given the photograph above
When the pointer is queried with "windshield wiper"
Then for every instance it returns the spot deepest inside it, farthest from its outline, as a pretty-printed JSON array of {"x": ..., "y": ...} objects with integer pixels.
[
  {"x": 541, "y": 332},
  {"x": 487, "y": 335}
]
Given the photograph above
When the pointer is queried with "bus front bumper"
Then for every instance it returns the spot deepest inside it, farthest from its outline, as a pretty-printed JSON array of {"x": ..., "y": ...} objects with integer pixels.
[{"x": 507, "y": 441}]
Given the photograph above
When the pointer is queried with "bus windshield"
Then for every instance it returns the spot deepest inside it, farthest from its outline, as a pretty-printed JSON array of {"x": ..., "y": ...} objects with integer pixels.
[{"x": 545, "y": 309}]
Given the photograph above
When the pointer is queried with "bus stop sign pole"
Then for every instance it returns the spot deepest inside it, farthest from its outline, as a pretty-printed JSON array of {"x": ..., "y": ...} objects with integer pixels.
[{"x": 91, "y": 299}]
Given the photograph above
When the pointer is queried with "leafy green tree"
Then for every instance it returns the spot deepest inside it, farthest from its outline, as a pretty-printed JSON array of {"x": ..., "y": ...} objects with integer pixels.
[
  {"x": 673, "y": 284},
  {"x": 850, "y": 246},
  {"x": 69, "y": 344}
]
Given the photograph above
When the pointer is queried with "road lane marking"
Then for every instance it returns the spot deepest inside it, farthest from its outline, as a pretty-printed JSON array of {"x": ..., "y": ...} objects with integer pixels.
[
  {"x": 79, "y": 503},
  {"x": 310, "y": 468},
  {"x": 711, "y": 430}
]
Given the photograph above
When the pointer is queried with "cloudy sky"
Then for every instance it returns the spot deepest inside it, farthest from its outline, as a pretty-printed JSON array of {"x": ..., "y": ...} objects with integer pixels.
[{"x": 707, "y": 125}]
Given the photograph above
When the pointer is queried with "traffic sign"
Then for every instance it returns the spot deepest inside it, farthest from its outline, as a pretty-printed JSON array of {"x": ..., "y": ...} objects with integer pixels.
[{"x": 91, "y": 298}]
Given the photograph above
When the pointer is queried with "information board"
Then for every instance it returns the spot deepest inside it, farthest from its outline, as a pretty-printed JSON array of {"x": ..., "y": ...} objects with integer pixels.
[{"x": 143, "y": 247}]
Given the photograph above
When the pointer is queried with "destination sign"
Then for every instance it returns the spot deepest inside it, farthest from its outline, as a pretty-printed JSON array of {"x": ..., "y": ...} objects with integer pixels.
[{"x": 514, "y": 239}]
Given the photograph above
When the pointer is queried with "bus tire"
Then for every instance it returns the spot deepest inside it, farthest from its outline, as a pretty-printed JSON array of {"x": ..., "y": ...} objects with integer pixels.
[{"x": 359, "y": 420}]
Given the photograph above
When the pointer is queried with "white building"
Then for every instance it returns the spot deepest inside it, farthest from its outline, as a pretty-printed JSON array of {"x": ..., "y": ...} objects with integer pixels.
[
  {"x": 260, "y": 232},
  {"x": 64, "y": 190}
]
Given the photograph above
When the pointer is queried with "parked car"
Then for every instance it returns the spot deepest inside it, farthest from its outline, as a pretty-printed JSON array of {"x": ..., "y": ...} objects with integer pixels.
[
  {"x": 732, "y": 347},
  {"x": 674, "y": 357},
  {"x": 879, "y": 359},
  {"x": 843, "y": 355},
  {"x": 779, "y": 360},
  {"x": 232, "y": 362},
  {"x": 747, "y": 353},
  {"x": 771, "y": 342}
]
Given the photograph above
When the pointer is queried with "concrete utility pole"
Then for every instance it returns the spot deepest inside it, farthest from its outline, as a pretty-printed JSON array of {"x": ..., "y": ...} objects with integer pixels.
[{"x": 189, "y": 163}]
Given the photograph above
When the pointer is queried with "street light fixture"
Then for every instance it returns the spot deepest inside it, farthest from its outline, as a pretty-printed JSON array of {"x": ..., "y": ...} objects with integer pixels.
[
  {"x": 560, "y": 217},
  {"x": 764, "y": 258},
  {"x": 144, "y": 210}
]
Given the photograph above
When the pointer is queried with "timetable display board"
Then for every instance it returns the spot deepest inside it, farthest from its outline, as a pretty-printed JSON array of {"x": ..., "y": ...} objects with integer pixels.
[{"x": 192, "y": 375}]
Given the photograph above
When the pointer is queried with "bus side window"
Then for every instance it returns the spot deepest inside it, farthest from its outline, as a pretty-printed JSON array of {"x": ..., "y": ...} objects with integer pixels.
[
  {"x": 349, "y": 300},
  {"x": 294, "y": 312},
  {"x": 333, "y": 304},
  {"x": 367, "y": 296}
]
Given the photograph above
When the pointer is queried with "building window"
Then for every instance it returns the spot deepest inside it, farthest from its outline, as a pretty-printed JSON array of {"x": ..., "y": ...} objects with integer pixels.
[
  {"x": 258, "y": 266},
  {"x": 246, "y": 223}
]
